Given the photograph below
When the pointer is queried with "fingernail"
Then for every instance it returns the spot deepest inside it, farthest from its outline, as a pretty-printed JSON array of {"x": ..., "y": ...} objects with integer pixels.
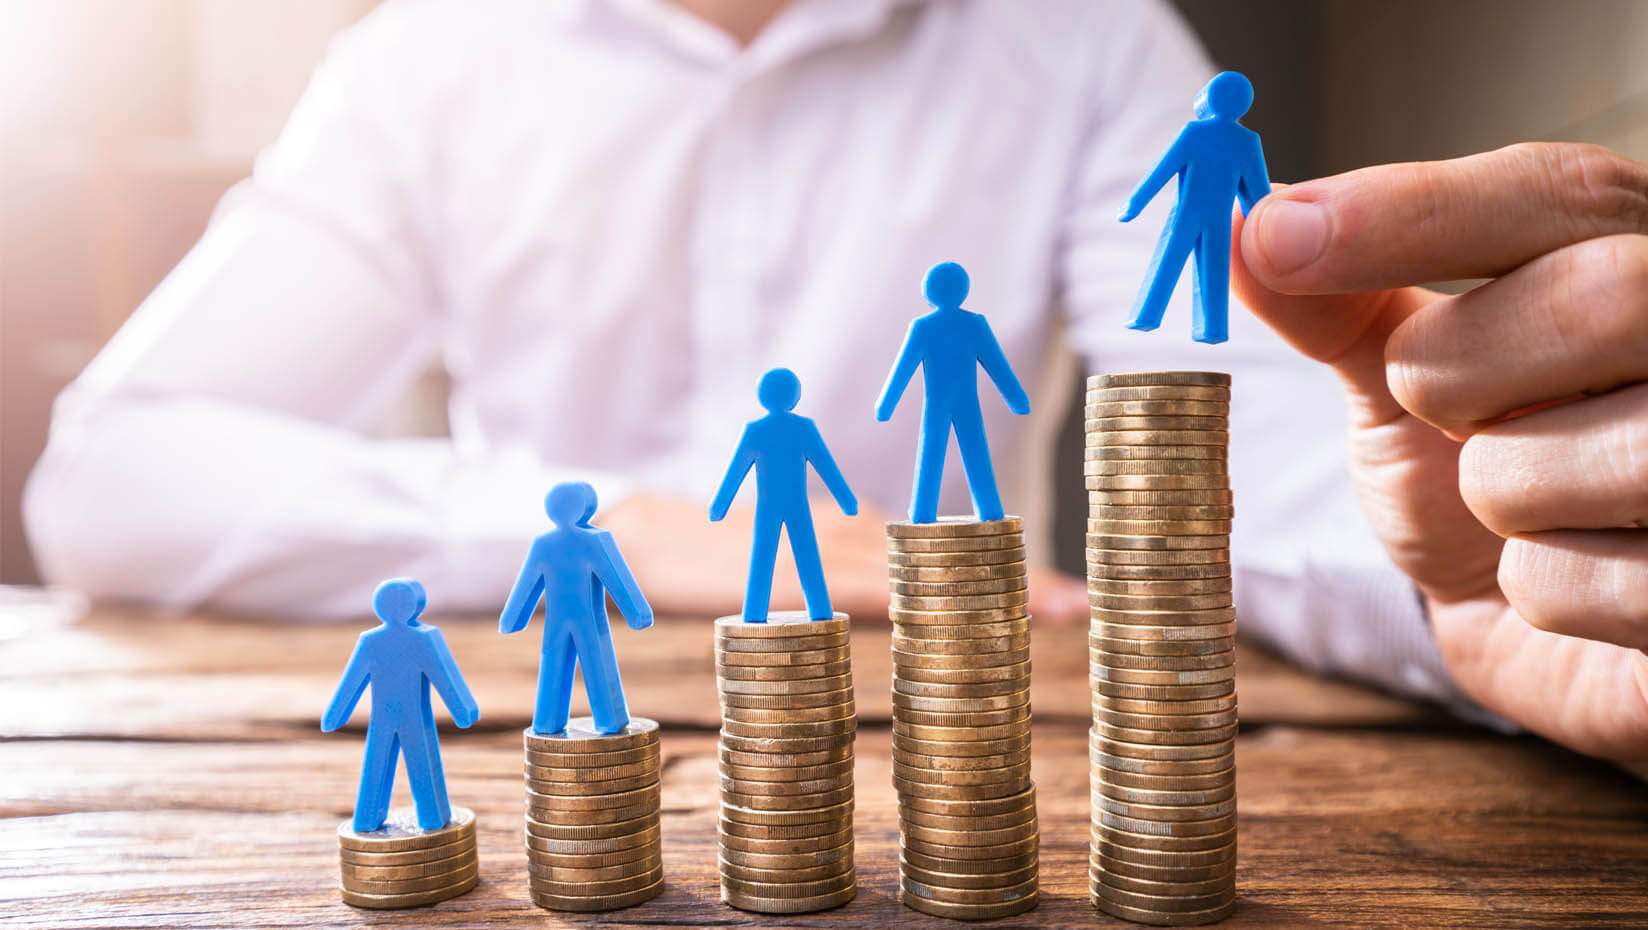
[{"x": 1292, "y": 234}]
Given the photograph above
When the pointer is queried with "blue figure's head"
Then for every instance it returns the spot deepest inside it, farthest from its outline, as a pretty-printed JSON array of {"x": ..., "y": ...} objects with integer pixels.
[
  {"x": 570, "y": 503},
  {"x": 780, "y": 390},
  {"x": 399, "y": 600},
  {"x": 1227, "y": 96},
  {"x": 946, "y": 285}
]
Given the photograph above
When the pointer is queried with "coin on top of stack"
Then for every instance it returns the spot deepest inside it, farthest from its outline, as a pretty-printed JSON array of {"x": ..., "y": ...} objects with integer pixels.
[
  {"x": 402, "y": 865},
  {"x": 1161, "y": 647},
  {"x": 968, "y": 836},
  {"x": 592, "y": 816},
  {"x": 787, "y": 726}
]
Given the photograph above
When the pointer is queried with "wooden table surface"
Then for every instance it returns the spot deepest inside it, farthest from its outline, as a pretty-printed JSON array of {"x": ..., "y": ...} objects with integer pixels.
[{"x": 168, "y": 771}]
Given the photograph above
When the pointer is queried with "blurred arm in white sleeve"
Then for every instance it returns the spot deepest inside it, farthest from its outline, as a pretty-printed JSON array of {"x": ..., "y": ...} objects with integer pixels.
[
  {"x": 215, "y": 452},
  {"x": 1311, "y": 579}
]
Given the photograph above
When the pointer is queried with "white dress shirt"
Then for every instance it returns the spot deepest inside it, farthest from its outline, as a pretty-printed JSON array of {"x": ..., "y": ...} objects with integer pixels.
[{"x": 607, "y": 219}]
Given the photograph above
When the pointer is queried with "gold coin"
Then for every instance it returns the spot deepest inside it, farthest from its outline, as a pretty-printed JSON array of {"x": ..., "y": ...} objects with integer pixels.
[
  {"x": 590, "y": 860},
  {"x": 1207, "y": 546},
  {"x": 982, "y": 747},
  {"x": 912, "y": 816},
  {"x": 1130, "y": 795},
  {"x": 789, "y": 889},
  {"x": 966, "y": 648},
  {"x": 1195, "y": 661},
  {"x": 1213, "y": 781},
  {"x": 957, "y": 544},
  {"x": 994, "y": 866},
  {"x": 955, "y": 573},
  {"x": 595, "y": 760},
  {"x": 1144, "y": 765},
  {"x": 947, "y": 705},
  {"x": 1182, "y": 919},
  {"x": 591, "y": 831},
  {"x": 1159, "y": 751},
  {"x": 1104, "y": 846},
  {"x": 838, "y": 754},
  {"x": 1105, "y": 510},
  {"x": 931, "y": 602},
  {"x": 771, "y": 745},
  {"x": 1106, "y": 500},
  {"x": 1172, "y": 423},
  {"x": 411, "y": 885},
  {"x": 1027, "y": 844},
  {"x": 1156, "y": 647},
  {"x": 928, "y": 633},
  {"x": 1129, "y": 620},
  {"x": 603, "y": 815},
  {"x": 1166, "y": 721},
  {"x": 1159, "y": 602},
  {"x": 1167, "y": 708},
  {"x": 592, "y": 774},
  {"x": 785, "y": 831},
  {"x": 795, "y": 686},
  {"x": 989, "y": 718},
  {"x": 1098, "y": 481},
  {"x": 1151, "y": 841},
  {"x": 591, "y": 787},
  {"x": 575, "y": 802},
  {"x": 591, "y": 904},
  {"x": 1137, "y": 587},
  {"x": 1157, "y": 408},
  {"x": 781, "y": 624},
  {"x": 911, "y": 887},
  {"x": 951, "y": 527},
  {"x": 1164, "y": 737},
  {"x": 745, "y": 786},
  {"x": 789, "y": 714},
  {"x": 611, "y": 873},
  {"x": 805, "y": 657},
  {"x": 912, "y": 619},
  {"x": 944, "y": 734},
  {"x": 1120, "y": 689},
  {"x": 1214, "y": 868},
  {"x": 542, "y": 884},
  {"x": 961, "y": 763},
  {"x": 580, "y": 735},
  {"x": 760, "y": 905},
  {"x": 806, "y": 860},
  {"x": 958, "y": 689},
  {"x": 963, "y": 882},
  {"x": 400, "y": 832},
  {"x": 957, "y": 588},
  {"x": 816, "y": 873},
  {"x": 969, "y": 836},
  {"x": 1169, "y": 815},
  {"x": 1179, "y": 572},
  {"x": 803, "y": 729},
  {"x": 946, "y": 560},
  {"x": 835, "y": 669},
  {"x": 981, "y": 657},
  {"x": 351, "y": 872},
  {"x": 1112, "y": 461},
  {"x": 952, "y": 791},
  {"x": 1018, "y": 671},
  {"x": 1202, "y": 392},
  {"x": 1163, "y": 903},
  {"x": 781, "y": 701},
  {"x": 1144, "y": 676},
  {"x": 1158, "y": 378},
  {"x": 1158, "y": 439},
  {"x": 765, "y": 818},
  {"x": 1111, "y": 527},
  {"x": 411, "y": 899},
  {"x": 801, "y": 641},
  {"x": 464, "y": 844},
  {"x": 791, "y": 846},
  {"x": 787, "y": 802}
]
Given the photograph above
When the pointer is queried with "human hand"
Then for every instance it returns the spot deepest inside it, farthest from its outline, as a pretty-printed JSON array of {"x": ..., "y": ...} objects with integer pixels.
[
  {"x": 689, "y": 567},
  {"x": 1499, "y": 437}
]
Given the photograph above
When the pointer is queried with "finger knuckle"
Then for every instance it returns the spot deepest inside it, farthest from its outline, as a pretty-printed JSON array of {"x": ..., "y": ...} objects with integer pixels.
[{"x": 1597, "y": 183}]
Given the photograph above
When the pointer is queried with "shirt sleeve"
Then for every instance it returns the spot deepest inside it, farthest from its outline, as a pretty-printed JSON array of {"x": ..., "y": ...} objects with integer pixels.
[
  {"x": 217, "y": 451},
  {"x": 1311, "y": 579}
]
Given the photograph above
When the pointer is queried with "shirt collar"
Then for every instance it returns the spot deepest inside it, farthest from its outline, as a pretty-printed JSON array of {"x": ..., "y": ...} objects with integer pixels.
[{"x": 801, "y": 27}]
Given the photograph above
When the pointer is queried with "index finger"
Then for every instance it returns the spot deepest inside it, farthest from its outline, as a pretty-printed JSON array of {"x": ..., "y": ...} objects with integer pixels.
[{"x": 1476, "y": 217}]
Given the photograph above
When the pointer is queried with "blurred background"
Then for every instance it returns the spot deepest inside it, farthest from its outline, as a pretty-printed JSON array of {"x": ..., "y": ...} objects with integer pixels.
[{"x": 123, "y": 121}]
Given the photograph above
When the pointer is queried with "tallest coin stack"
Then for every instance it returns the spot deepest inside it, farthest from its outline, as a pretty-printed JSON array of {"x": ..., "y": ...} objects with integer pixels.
[{"x": 1161, "y": 647}]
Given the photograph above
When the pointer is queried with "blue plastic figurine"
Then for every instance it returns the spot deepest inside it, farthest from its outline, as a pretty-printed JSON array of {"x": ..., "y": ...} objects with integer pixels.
[
  {"x": 1217, "y": 159},
  {"x": 571, "y": 569},
  {"x": 400, "y": 660},
  {"x": 780, "y": 445},
  {"x": 950, "y": 344}
]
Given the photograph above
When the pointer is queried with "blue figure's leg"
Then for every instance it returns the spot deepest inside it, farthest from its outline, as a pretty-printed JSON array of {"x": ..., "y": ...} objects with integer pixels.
[
  {"x": 554, "y": 682},
  {"x": 1172, "y": 249},
  {"x": 433, "y": 812},
  {"x": 763, "y": 553},
  {"x": 1211, "y": 320},
  {"x": 377, "y": 778},
  {"x": 432, "y": 750},
  {"x": 935, "y": 440},
  {"x": 601, "y": 682},
  {"x": 804, "y": 545},
  {"x": 975, "y": 458}
]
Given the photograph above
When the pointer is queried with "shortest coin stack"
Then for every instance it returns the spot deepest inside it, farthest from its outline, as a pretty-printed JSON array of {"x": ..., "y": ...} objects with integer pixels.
[
  {"x": 592, "y": 816},
  {"x": 402, "y": 865},
  {"x": 787, "y": 727}
]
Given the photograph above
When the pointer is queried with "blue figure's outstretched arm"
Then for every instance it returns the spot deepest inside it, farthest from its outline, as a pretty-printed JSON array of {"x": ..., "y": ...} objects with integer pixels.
[
  {"x": 350, "y": 688},
  {"x": 819, "y": 454},
  {"x": 614, "y": 573},
  {"x": 1253, "y": 184},
  {"x": 909, "y": 359},
  {"x": 1173, "y": 161},
  {"x": 442, "y": 671},
  {"x": 1000, "y": 370},
  {"x": 523, "y": 597},
  {"x": 743, "y": 459}
]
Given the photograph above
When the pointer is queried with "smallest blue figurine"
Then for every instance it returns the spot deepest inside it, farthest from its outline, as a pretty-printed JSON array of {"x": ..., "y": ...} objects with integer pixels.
[
  {"x": 1217, "y": 160},
  {"x": 400, "y": 660}
]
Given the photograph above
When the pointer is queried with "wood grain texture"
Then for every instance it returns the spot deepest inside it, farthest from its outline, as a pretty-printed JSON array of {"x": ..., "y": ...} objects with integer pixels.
[{"x": 167, "y": 772}]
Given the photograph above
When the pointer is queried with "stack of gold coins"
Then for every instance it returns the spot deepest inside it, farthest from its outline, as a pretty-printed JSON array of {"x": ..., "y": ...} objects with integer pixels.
[
  {"x": 592, "y": 816},
  {"x": 401, "y": 865},
  {"x": 787, "y": 727},
  {"x": 1161, "y": 647},
  {"x": 968, "y": 839}
]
